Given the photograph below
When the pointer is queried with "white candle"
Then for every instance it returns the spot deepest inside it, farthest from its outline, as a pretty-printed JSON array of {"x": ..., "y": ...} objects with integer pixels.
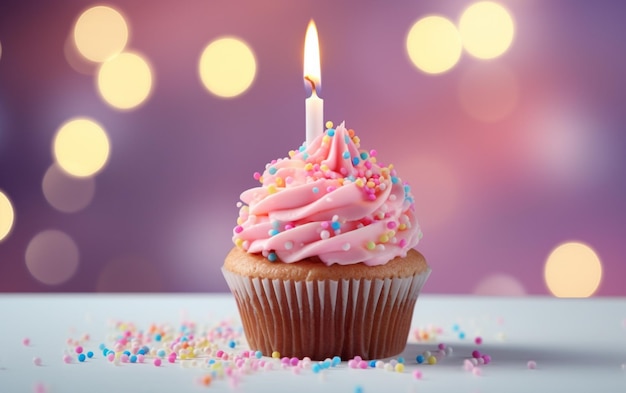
[{"x": 313, "y": 76}]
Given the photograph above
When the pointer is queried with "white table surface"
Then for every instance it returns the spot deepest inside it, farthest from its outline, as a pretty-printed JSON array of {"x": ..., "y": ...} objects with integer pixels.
[{"x": 579, "y": 345}]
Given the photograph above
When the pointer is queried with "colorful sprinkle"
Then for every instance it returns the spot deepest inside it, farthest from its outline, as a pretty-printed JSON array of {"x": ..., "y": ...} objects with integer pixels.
[{"x": 531, "y": 365}]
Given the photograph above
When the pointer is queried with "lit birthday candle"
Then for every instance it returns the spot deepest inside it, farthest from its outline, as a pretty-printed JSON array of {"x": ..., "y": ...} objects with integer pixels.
[{"x": 313, "y": 77}]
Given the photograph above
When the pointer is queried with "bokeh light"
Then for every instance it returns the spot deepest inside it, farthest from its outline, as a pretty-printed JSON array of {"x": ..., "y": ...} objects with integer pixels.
[
  {"x": 499, "y": 284},
  {"x": 65, "y": 193},
  {"x": 125, "y": 81},
  {"x": 488, "y": 92},
  {"x": 486, "y": 29},
  {"x": 433, "y": 44},
  {"x": 227, "y": 67},
  {"x": 52, "y": 257},
  {"x": 573, "y": 269},
  {"x": 81, "y": 147},
  {"x": 100, "y": 33},
  {"x": 7, "y": 216},
  {"x": 129, "y": 274}
]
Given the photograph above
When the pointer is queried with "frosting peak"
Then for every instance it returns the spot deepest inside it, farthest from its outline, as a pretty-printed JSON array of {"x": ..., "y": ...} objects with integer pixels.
[{"x": 329, "y": 200}]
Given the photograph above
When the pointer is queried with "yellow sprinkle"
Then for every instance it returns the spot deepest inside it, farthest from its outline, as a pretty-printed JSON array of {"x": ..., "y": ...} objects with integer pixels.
[
  {"x": 391, "y": 233},
  {"x": 279, "y": 181},
  {"x": 329, "y": 124},
  {"x": 370, "y": 245},
  {"x": 383, "y": 238},
  {"x": 371, "y": 184},
  {"x": 384, "y": 172},
  {"x": 276, "y": 355},
  {"x": 359, "y": 182},
  {"x": 373, "y": 160},
  {"x": 325, "y": 139},
  {"x": 239, "y": 242},
  {"x": 402, "y": 227},
  {"x": 292, "y": 153},
  {"x": 399, "y": 367},
  {"x": 239, "y": 220},
  {"x": 261, "y": 179},
  {"x": 308, "y": 167},
  {"x": 432, "y": 360},
  {"x": 390, "y": 166},
  {"x": 271, "y": 189},
  {"x": 356, "y": 140},
  {"x": 324, "y": 168}
]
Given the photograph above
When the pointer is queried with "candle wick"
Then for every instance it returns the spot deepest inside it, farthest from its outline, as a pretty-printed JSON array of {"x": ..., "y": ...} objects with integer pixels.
[{"x": 308, "y": 78}]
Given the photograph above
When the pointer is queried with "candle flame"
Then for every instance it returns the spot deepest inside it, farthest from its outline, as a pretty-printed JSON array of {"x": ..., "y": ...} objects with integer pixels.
[{"x": 312, "y": 68}]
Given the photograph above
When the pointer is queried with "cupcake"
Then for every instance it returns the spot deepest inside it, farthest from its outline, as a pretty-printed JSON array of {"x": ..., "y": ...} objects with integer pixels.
[{"x": 324, "y": 262}]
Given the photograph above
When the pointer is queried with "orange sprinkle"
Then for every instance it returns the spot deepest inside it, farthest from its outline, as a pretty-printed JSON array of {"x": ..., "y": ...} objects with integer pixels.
[{"x": 206, "y": 380}]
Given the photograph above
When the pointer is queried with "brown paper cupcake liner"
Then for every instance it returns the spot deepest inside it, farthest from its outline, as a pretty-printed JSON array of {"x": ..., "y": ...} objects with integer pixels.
[{"x": 322, "y": 319}]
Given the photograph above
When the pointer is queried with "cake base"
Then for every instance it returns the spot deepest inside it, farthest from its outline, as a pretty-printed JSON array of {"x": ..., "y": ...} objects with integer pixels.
[{"x": 310, "y": 309}]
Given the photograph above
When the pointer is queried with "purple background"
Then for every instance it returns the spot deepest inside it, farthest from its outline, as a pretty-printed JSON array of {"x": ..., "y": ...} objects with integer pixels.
[{"x": 488, "y": 199}]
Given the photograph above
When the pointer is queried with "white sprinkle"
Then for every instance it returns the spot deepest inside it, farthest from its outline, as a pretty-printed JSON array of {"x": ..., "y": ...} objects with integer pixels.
[
  {"x": 288, "y": 245},
  {"x": 345, "y": 247},
  {"x": 324, "y": 234}
]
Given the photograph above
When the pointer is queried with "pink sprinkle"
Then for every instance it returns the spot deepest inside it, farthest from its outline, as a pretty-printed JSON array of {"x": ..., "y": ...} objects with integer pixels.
[
  {"x": 478, "y": 340},
  {"x": 110, "y": 356},
  {"x": 219, "y": 353},
  {"x": 391, "y": 224},
  {"x": 531, "y": 364},
  {"x": 79, "y": 349},
  {"x": 352, "y": 363},
  {"x": 238, "y": 229},
  {"x": 468, "y": 365},
  {"x": 157, "y": 362},
  {"x": 140, "y": 358},
  {"x": 325, "y": 224},
  {"x": 371, "y": 197},
  {"x": 26, "y": 341},
  {"x": 477, "y": 371},
  {"x": 37, "y": 361},
  {"x": 124, "y": 358},
  {"x": 441, "y": 346},
  {"x": 67, "y": 359},
  {"x": 402, "y": 242},
  {"x": 475, "y": 354},
  {"x": 417, "y": 374},
  {"x": 373, "y": 153},
  {"x": 40, "y": 388},
  {"x": 487, "y": 359},
  {"x": 256, "y": 175},
  {"x": 293, "y": 361},
  {"x": 363, "y": 364}
]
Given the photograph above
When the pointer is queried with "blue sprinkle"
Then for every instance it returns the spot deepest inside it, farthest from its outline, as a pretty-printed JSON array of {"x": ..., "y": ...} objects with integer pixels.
[
  {"x": 335, "y": 225},
  {"x": 272, "y": 257},
  {"x": 331, "y": 132},
  {"x": 456, "y": 327},
  {"x": 326, "y": 364},
  {"x": 302, "y": 148},
  {"x": 211, "y": 361},
  {"x": 316, "y": 368},
  {"x": 133, "y": 359},
  {"x": 400, "y": 359},
  {"x": 461, "y": 335},
  {"x": 419, "y": 359},
  {"x": 82, "y": 357},
  {"x": 305, "y": 156},
  {"x": 258, "y": 354},
  {"x": 157, "y": 337},
  {"x": 364, "y": 155},
  {"x": 274, "y": 232},
  {"x": 346, "y": 138},
  {"x": 272, "y": 170},
  {"x": 373, "y": 363},
  {"x": 336, "y": 360},
  {"x": 346, "y": 154},
  {"x": 394, "y": 179},
  {"x": 102, "y": 347},
  {"x": 358, "y": 389},
  {"x": 141, "y": 352},
  {"x": 89, "y": 354},
  {"x": 355, "y": 160},
  {"x": 232, "y": 343},
  {"x": 127, "y": 353},
  {"x": 315, "y": 190},
  {"x": 161, "y": 353}
]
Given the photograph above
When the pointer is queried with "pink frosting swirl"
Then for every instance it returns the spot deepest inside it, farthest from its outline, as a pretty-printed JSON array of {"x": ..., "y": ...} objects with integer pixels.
[{"x": 328, "y": 200}]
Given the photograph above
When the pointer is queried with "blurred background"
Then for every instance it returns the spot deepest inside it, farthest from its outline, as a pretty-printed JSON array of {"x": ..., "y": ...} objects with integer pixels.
[{"x": 129, "y": 129}]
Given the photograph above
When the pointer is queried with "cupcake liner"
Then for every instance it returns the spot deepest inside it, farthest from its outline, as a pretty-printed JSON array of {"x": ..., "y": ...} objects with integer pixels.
[{"x": 321, "y": 319}]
